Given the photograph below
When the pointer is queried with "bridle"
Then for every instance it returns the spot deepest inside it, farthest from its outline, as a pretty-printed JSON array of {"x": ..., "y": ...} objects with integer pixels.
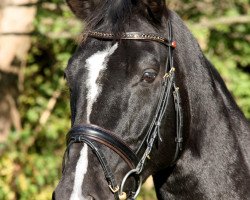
[{"x": 93, "y": 135}]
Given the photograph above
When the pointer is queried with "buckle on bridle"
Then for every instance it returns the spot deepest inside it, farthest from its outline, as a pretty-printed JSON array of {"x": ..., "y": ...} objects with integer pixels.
[
  {"x": 114, "y": 189},
  {"x": 168, "y": 74}
]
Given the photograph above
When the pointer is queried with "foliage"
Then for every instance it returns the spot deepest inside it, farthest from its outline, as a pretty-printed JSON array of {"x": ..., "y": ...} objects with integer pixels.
[
  {"x": 30, "y": 162},
  {"x": 226, "y": 44}
]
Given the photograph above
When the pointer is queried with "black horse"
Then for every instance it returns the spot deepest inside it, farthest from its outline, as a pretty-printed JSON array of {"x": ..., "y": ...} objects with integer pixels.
[{"x": 145, "y": 101}]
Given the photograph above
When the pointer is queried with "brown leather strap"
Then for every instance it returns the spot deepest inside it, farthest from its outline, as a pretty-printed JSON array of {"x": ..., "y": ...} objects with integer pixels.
[
  {"x": 131, "y": 36},
  {"x": 105, "y": 137}
]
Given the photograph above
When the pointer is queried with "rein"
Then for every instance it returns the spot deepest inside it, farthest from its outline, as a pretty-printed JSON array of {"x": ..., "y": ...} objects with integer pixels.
[{"x": 93, "y": 135}]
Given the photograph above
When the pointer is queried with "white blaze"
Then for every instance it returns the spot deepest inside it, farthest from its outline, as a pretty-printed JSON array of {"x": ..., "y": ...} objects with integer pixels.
[
  {"x": 81, "y": 170},
  {"x": 94, "y": 64}
]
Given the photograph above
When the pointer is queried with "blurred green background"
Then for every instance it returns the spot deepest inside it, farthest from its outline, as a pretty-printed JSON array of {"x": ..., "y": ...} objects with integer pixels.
[{"x": 31, "y": 152}]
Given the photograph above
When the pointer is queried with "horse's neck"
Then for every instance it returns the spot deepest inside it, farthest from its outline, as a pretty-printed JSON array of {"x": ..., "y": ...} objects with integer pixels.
[
  {"x": 215, "y": 162},
  {"x": 216, "y": 123},
  {"x": 214, "y": 117}
]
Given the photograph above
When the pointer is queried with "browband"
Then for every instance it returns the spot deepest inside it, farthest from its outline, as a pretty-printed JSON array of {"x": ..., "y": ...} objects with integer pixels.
[{"x": 131, "y": 36}]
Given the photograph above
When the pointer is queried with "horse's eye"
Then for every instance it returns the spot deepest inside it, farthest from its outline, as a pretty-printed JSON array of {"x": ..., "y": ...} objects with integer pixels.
[{"x": 149, "y": 77}]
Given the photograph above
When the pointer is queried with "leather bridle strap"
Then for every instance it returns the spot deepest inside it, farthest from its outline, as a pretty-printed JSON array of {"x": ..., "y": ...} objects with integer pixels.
[
  {"x": 131, "y": 36},
  {"x": 104, "y": 164},
  {"x": 107, "y": 138},
  {"x": 91, "y": 135}
]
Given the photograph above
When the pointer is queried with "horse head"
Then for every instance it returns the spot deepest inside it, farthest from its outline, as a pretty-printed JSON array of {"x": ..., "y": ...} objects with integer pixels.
[
  {"x": 121, "y": 79},
  {"x": 137, "y": 99}
]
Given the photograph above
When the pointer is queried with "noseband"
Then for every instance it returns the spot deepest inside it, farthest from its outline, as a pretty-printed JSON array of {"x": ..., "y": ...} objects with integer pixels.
[{"x": 93, "y": 135}]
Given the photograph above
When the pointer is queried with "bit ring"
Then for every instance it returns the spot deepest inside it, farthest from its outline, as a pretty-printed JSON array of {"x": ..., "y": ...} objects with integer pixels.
[{"x": 138, "y": 179}]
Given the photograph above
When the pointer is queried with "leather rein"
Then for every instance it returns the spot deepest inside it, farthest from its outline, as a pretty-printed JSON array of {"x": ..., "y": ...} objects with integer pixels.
[{"x": 93, "y": 135}]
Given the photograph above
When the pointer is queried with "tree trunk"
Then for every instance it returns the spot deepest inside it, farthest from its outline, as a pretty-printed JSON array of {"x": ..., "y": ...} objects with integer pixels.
[{"x": 15, "y": 21}]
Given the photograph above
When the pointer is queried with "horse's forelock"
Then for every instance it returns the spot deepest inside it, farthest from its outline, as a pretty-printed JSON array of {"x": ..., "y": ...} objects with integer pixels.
[{"x": 115, "y": 13}]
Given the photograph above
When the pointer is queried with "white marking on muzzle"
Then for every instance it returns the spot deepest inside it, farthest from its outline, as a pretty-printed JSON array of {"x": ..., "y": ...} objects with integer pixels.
[
  {"x": 96, "y": 64},
  {"x": 81, "y": 170}
]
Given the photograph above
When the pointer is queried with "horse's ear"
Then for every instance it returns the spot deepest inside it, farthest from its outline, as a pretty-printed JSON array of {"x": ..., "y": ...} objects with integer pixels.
[
  {"x": 82, "y": 8},
  {"x": 155, "y": 8}
]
